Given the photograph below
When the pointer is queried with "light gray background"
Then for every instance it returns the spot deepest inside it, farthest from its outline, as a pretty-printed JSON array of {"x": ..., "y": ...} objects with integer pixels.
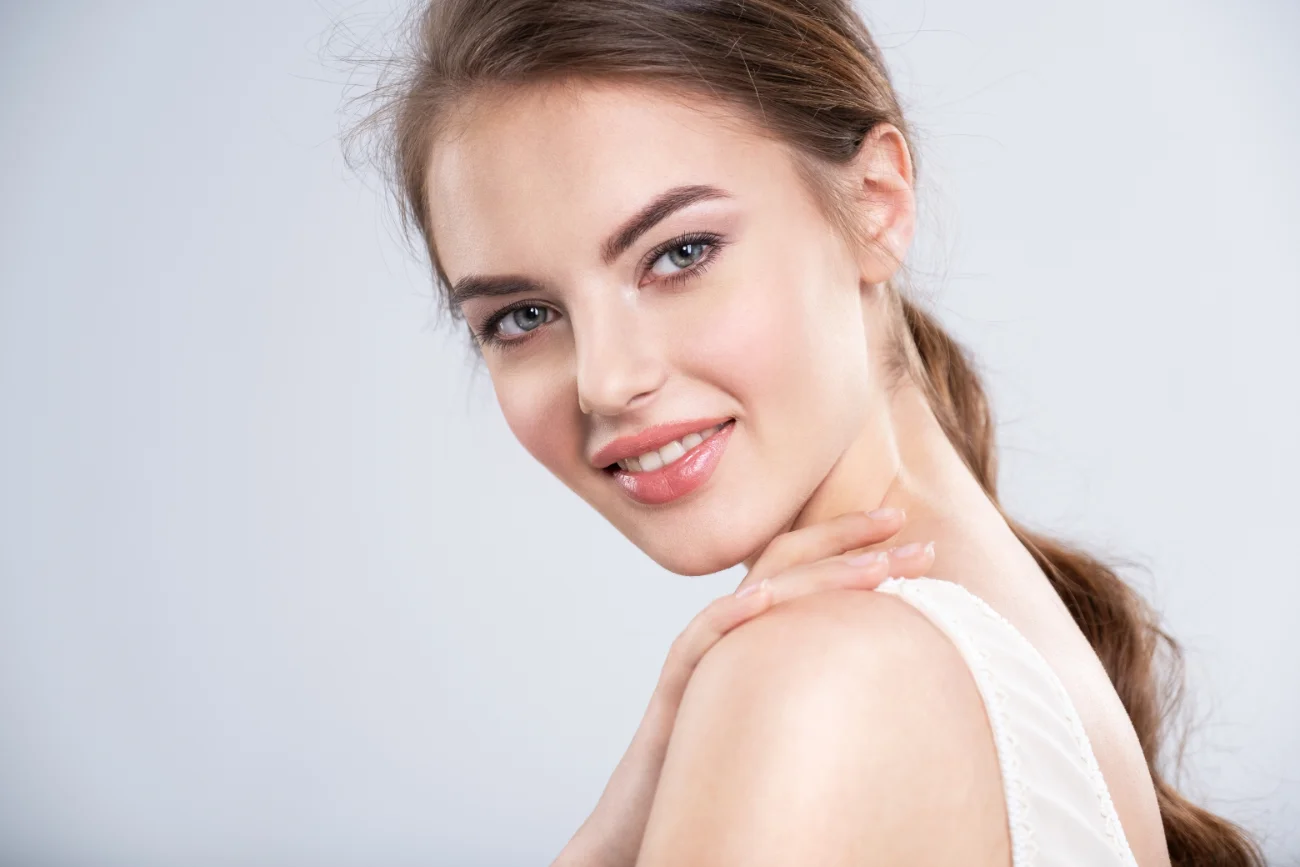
[{"x": 277, "y": 586}]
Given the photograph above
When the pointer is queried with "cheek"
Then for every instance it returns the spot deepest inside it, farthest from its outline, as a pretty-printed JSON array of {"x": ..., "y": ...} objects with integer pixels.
[
  {"x": 780, "y": 334},
  {"x": 541, "y": 410},
  {"x": 734, "y": 344}
]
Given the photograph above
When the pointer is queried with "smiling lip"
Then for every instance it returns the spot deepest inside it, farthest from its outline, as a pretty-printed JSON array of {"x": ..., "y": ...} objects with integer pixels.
[
  {"x": 679, "y": 478},
  {"x": 650, "y": 439}
]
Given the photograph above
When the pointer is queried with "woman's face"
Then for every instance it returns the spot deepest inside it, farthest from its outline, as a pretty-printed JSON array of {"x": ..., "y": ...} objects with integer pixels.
[{"x": 692, "y": 369}]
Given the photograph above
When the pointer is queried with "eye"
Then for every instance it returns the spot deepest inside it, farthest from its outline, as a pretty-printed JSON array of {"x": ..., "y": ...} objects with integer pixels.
[
  {"x": 521, "y": 320},
  {"x": 689, "y": 254},
  {"x": 694, "y": 251}
]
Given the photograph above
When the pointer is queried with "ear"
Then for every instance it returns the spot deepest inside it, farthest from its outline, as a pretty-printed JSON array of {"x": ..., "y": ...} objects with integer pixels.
[{"x": 883, "y": 166}]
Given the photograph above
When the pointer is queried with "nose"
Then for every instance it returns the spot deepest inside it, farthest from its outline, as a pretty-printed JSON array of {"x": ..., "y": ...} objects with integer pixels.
[{"x": 619, "y": 365}]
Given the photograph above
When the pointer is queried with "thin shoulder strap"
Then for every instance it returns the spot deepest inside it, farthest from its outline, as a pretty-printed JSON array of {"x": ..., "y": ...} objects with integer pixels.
[{"x": 1058, "y": 807}]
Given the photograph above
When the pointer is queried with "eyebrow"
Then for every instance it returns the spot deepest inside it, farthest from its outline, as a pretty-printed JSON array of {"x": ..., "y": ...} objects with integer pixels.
[{"x": 655, "y": 212}]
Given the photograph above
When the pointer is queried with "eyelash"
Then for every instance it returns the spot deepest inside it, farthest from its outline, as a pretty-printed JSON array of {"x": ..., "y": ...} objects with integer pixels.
[{"x": 486, "y": 332}]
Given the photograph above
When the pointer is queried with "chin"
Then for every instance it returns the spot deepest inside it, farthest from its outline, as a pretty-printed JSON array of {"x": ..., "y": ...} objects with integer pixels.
[
  {"x": 696, "y": 561},
  {"x": 722, "y": 524},
  {"x": 701, "y": 546}
]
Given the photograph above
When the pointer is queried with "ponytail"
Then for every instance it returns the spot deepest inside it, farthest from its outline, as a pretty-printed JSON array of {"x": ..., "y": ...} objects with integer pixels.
[{"x": 1119, "y": 624}]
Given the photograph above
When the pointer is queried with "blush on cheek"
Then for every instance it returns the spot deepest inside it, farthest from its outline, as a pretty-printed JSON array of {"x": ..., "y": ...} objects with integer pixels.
[
  {"x": 787, "y": 345},
  {"x": 756, "y": 339}
]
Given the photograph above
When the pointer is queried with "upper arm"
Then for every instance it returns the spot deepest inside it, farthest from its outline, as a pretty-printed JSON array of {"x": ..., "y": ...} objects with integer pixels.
[{"x": 838, "y": 728}]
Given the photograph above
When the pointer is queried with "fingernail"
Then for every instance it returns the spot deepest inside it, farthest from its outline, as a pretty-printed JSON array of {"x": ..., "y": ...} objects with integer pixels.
[
  {"x": 870, "y": 558},
  {"x": 910, "y": 550},
  {"x": 751, "y": 589},
  {"x": 882, "y": 514}
]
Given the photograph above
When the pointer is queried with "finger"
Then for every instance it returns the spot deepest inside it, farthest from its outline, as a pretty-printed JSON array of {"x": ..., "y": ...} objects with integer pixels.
[
  {"x": 911, "y": 560},
  {"x": 826, "y": 539},
  {"x": 717, "y": 619},
  {"x": 858, "y": 570},
  {"x": 727, "y": 612},
  {"x": 863, "y": 571}
]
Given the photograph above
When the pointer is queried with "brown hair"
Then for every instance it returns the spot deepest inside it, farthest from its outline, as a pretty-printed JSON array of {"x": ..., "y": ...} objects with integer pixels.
[{"x": 808, "y": 73}]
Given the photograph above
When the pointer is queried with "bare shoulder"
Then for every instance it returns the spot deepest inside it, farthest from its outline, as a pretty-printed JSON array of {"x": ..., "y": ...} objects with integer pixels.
[{"x": 838, "y": 728}]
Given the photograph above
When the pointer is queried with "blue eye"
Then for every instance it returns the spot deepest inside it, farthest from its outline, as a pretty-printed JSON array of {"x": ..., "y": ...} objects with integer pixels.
[
  {"x": 691, "y": 258},
  {"x": 695, "y": 250},
  {"x": 690, "y": 254},
  {"x": 521, "y": 320}
]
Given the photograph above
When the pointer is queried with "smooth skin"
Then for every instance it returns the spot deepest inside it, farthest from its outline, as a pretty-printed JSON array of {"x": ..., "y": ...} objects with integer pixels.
[
  {"x": 832, "y": 555},
  {"x": 838, "y": 726}
]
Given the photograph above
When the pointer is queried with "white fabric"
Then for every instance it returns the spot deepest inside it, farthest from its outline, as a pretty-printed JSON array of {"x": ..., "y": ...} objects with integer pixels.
[{"x": 1059, "y": 809}]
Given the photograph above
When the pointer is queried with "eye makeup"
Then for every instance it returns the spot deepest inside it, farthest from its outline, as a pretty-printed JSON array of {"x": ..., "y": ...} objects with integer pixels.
[{"x": 487, "y": 332}]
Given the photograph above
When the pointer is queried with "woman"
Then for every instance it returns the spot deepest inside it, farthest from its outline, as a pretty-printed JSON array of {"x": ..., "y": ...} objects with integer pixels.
[{"x": 675, "y": 230}]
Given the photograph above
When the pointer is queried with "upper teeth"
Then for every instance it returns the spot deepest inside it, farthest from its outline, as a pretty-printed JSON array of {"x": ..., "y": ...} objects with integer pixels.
[{"x": 666, "y": 454}]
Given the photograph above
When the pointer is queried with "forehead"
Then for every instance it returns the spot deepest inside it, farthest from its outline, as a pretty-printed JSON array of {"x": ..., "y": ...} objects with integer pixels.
[{"x": 563, "y": 164}]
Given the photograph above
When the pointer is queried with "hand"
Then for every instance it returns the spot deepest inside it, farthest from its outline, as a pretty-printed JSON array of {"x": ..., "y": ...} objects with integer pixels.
[{"x": 825, "y": 556}]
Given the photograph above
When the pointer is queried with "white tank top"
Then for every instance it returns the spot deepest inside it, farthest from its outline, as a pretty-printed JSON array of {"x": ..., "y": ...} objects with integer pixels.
[{"x": 1058, "y": 807}]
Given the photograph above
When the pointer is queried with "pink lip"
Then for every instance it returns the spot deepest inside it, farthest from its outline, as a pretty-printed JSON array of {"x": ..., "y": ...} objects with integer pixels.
[
  {"x": 650, "y": 439},
  {"x": 679, "y": 478}
]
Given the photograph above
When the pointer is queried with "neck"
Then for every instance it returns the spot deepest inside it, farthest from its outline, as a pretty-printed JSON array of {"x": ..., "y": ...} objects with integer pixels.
[{"x": 903, "y": 459}]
